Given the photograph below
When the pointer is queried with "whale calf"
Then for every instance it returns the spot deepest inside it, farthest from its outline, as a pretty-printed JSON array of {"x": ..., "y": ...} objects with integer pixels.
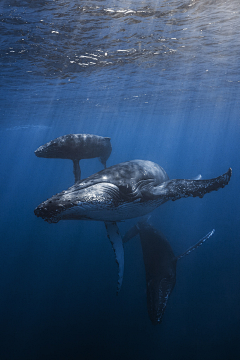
[
  {"x": 77, "y": 147},
  {"x": 160, "y": 266},
  {"x": 123, "y": 191}
]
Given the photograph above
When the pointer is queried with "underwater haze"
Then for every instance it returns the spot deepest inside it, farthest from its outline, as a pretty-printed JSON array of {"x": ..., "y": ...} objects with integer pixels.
[{"x": 162, "y": 80}]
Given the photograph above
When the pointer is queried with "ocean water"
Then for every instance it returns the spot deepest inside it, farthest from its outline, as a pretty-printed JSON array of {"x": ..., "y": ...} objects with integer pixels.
[{"x": 161, "y": 78}]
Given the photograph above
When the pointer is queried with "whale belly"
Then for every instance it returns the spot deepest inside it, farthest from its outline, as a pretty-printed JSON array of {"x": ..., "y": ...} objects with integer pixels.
[{"x": 108, "y": 211}]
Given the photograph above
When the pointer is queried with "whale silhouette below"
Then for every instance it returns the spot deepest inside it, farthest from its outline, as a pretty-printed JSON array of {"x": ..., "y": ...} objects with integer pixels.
[
  {"x": 160, "y": 266},
  {"x": 123, "y": 191}
]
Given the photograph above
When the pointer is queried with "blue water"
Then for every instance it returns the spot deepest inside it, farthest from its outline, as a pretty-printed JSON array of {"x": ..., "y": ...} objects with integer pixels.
[{"x": 161, "y": 78}]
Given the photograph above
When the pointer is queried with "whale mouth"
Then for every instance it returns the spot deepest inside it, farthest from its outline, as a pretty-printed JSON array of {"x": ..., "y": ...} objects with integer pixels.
[
  {"x": 53, "y": 218},
  {"x": 84, "y": 204},
  {"x": 50, "y": 210},
  {"x": 53, "y": 212},
  {"x": 46, "y": 215}
]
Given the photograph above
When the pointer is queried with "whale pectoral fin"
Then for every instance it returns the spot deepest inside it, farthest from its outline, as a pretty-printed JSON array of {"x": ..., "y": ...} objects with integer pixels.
[
  {"x": 199, "y": 243},
  {"x": 76, "y": 170},
  {"x": 114, "y": 236},
  {"x": 130, "y": 234},
  {"x": 134, "y": 231},
  {"x": 178, "y": 188}
]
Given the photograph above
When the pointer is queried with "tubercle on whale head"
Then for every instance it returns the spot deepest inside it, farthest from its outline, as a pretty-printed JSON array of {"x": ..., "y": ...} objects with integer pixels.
[
  {"x": 51, "y": 209},
  {"x": 75, "y": 203},
  {"x": 39, "y": 152},
  {"x": 47, "y": 150},
  {"x": 46, "y": 214}
]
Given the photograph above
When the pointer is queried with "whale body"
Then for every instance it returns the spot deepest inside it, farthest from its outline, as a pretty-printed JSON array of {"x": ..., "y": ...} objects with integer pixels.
[
  {"x": 123, "y": 191},
  {"x": 160, "y": 266}
]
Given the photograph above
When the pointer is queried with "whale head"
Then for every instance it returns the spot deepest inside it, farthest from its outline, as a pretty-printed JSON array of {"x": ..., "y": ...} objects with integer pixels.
[{"x": 91, "y": 203}]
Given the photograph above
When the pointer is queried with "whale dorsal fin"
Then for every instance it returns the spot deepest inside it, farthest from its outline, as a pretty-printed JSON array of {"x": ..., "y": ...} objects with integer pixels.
[
  {"x": 198, "y": 177},
  {"x": 199, "y": 243},
  {"x": 115, "y": 238}
]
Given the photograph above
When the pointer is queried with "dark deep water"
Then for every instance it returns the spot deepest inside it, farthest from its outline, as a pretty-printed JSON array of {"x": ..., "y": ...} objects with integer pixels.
[{"x": 161, "y": 78}]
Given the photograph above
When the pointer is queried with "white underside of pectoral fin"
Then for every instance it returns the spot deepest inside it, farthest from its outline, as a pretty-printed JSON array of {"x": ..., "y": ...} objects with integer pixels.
[{"x": 114, "y": 236}]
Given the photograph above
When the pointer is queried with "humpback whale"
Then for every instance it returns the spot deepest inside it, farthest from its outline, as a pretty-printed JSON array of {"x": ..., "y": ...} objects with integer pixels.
[
  {"x": 123, "y": 191},
  {"x": 77, "y": 147},
  {"x": 160, "y": 266}
]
